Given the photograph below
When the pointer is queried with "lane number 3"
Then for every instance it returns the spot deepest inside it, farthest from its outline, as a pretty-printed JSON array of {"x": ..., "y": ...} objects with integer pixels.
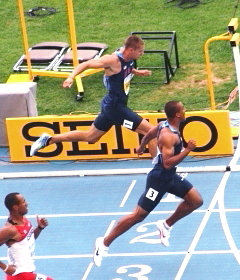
[{"x": 140, "y": 275}]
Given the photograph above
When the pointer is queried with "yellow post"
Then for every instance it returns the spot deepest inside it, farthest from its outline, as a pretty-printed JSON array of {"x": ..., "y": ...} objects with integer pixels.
[
  {"x": 234, "y": 42},
  {"x": 224, "y": 36},
  {"x": 34, "y": 72},
  {"x": 232, "y": 27},
  {"x": 25, "y": 38},
  {"x": 72, "y": 32}
]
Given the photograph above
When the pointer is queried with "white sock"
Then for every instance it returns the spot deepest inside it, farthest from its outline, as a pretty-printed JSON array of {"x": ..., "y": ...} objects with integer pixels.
[{"x": 166, "y": 225}]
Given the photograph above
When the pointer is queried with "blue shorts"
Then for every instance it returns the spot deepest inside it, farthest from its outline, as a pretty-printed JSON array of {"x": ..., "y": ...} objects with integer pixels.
[
  {"x": 160, "y": 182},
  {"x": 118, "y": 115}
]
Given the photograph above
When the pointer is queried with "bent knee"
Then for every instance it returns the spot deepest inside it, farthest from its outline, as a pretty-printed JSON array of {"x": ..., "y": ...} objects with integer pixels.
[
  {"x": 137, "y": 217},
  {"x": 140, "y": 217},
  {"x": 194, "y": 198},
  {"x": 197, "y": 201},
  {"x": 91, "y": 139}
]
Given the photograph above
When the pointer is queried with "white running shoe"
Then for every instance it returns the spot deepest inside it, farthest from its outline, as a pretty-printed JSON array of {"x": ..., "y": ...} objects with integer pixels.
[
  {"x": 39, "y": 144},
  {"x": 164, "y": 232},
  {"x": 100, "y": 251}
]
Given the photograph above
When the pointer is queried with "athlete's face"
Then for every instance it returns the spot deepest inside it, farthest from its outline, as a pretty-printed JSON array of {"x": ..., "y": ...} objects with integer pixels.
[
  {"x": 181, "y": 112},
  {"x": 136, "y": 53},
  {"x": 22, "y": 206}
]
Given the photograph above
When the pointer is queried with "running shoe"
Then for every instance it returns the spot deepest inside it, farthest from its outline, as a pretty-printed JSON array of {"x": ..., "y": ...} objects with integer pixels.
[
  {"x": 164, "y": 232},
  {"x": 39, "y": 144},
  {"x": 100, "y": 251}
]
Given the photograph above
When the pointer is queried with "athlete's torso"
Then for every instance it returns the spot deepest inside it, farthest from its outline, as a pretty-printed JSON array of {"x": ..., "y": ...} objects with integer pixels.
[
  {"x": 177, "y": 147},
  {"x": 21, "y": 253},
  {"x": 118, "y": 84}
]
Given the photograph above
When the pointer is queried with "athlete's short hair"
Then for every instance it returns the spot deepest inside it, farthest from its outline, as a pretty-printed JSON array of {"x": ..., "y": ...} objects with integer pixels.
[
  {"x": 133, "y": 41},
  {"x": 11, "y": 200},
  {"x": 172, "y": 108}
]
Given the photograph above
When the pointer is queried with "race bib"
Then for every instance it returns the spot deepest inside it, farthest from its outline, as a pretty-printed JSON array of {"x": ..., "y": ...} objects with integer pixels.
[
  {"x": 41, "y": 277},
  {"x": 127, "y": 81}
]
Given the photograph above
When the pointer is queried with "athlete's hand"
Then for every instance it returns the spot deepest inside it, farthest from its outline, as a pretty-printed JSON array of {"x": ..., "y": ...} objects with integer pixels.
[
  {"x": 140, "y": 150},
  {"x": 42, "y": 222},
  {"x": 143, "y": 72},
  {"x": 146, "y": 73},
  {"x": 191, "y": 145},
  {"x": 10, "y": 270},
  {"x": 68, "y": 82}
]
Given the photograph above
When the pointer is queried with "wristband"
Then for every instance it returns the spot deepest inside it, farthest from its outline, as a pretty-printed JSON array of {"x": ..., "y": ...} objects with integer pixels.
[
  {"x": 41, "y": 228},
  {"x": 6, "y": 268}
]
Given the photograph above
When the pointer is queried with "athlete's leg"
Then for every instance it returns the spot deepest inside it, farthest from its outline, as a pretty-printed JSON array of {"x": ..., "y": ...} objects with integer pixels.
[
  {"x": 128, "y": 118},
  {"x": 100, "y": 126},
  {"x": 92, "y": 135},
  {"x": 143, "y": 128},
  {"x": 125, "y": 224},
  {"x": 192, "y": 201}
]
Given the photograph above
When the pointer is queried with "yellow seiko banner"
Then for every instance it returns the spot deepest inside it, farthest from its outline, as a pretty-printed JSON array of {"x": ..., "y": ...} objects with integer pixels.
[{"x": 211, "y": 130}]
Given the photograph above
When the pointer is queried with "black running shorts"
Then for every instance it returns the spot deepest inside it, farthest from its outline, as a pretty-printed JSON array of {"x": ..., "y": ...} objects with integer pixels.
[
  {"x": 119, "y": 115},
  {"x": 158, "y": 184}
]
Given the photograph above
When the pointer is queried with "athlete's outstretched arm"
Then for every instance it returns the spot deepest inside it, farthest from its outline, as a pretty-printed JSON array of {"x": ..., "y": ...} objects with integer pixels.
[
  {"x": 152, "y": 133},
  {"x": 102, "y": 62}
]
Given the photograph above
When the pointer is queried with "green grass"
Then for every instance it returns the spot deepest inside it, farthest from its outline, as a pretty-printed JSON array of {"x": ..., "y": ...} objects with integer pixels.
[{"x": 110, "y": 21}]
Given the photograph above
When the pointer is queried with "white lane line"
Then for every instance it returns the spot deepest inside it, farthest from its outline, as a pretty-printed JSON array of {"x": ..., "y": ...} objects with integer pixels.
[
  {"x": 114, "y": 214},
  {"x": 227, "y": 230},
  {"x": 90, "y": 266},
  {"x": 87, "y": 271},
  {"x": 206, "y": 217},
  {"x": 110, "y": 227},
  {"x": 128, "y": 193},
  {"x": 134, "y": 254},
  {"x": 196, "y": 237},
  {"x": 222, "y": 212}
]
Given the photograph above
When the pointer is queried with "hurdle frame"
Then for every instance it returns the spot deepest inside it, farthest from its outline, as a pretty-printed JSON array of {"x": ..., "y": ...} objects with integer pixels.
[
  {"x": 32, "y": 73},
  {"x": 109, "y": 172},
  {"x": 232, "y": 27},
  {"x": 168, "y": 67}
]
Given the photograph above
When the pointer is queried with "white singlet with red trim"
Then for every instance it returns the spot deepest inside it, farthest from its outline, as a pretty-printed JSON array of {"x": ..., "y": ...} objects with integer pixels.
[{"x": 21, "y": 253}]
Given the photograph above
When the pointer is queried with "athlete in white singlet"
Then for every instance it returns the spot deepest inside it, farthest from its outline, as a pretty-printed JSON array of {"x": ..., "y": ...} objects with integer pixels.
[{"x": 19, "y": 235}]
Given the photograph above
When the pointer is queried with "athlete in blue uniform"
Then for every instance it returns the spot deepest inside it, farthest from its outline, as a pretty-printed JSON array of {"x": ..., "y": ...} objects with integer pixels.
[
  {"x": 114, "y": 104},
  {"x": 160, "y": 180},
  {"x": 119, "y": 69}
]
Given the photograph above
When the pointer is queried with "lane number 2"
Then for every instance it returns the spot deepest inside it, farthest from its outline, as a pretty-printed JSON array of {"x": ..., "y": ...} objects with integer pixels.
[{"x": 144, "y": 237}]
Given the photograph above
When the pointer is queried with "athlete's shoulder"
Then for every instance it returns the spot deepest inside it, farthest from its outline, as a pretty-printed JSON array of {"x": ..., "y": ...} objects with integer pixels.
[
  {"x": 7, "y": 232},
  {"x": 27, "y": 222},
  {"x": 112, "y": 56},
  {"x": 167, "y": 137},
  {"x": 166, "y": 132},
  {"x": 108, "y": 59}
]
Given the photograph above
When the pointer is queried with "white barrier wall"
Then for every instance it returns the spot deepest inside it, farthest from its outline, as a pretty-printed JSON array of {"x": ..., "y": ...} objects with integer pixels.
[{"x": 16, "y": 100}]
